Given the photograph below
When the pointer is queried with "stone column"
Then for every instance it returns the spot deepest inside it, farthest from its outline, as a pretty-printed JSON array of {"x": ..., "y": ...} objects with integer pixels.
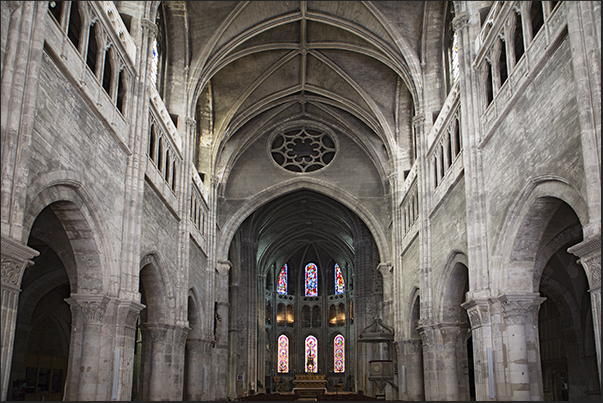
[
  {"x": 15, "y": 258},
  {"x": 440, "y": 360},
  {"x": 195, "y": 378},
  {"x": 520, "y": 312},
  {"x": 155, "y": 373},
  {"x": 175, "y": 360},
  {"x": 87, "y": 312},
  {"x": 127, "y": 314},
  {"x": 479, "y": 313},
  {"x": 364, "y": 306},
  {"x": 410, "y": 371},
  {"x": 589, "y": 252},
  {"x": 386, "y": 271},
  {"x": 221, "y": 330}
]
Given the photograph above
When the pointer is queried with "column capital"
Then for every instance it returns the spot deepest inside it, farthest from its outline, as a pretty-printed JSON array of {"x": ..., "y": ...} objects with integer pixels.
[
  {"x": 190, "y": 122},
  {"x": 128, "y": 312},
  {"x": 418, "y": 120},
  {"x": 519, "y": 308},
  {"x": 460, "y": 21},
  {"x": 149, "y": 27},
  {"x": 589, "y": 252},
  {"x": 223, "y": 267},
  {"x": 91, "y": 306},
  {"x": 386, "y": 269},
  {"x": 478, "y": 310}
]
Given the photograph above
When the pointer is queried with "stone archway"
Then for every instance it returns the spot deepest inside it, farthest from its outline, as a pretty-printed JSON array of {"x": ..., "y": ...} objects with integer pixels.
[
  {"x": 63, "y": 287},
  {"x": 298, "y": 228}
]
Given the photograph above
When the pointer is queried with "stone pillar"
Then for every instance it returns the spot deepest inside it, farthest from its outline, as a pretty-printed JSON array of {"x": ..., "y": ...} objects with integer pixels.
[
  {"x": 196, "y": 379},
  {"x": 127, "y": 315},
  {"x": 589, "y": 252},
  {"x": 520, "y": 313},
  {"x": 177, "y": 361},
  {"x": 386, "y": 271},
  {"x": 221, "y": 330},
  {"x": 155, "y": 375},
  {"x": 87, "y": 312},
  {"x": 410, "y": 371},
  {"x": 478, "y": 310},
  {"x": 440, "y": 360},
  {"x": 364, "y": 306},
  {"x": 15, "y": 258}
]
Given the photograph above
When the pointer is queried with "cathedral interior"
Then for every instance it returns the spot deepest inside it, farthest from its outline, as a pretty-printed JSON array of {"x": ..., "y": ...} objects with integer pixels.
[{"x": 311, "y": 200}]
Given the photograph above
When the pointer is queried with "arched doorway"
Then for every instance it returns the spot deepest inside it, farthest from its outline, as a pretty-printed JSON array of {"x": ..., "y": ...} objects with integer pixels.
[
  {"x": 566, "y": 337},
  {"x": 306, "y": 263},
  {"x": 43, "y": 332}
]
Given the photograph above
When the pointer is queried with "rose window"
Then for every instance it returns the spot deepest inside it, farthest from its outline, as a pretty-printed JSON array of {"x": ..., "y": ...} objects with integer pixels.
[{"x": 303, "y": 149}]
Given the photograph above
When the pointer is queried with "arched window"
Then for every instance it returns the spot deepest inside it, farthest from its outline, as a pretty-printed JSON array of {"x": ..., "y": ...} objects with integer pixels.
[
  {"x": 339, "y": 282},
  {"x": 454, "y": 58},
  {"x": 352, "y": 311},
  {"x": 92, "y": 49},
  {"x": 158, "y": 53},
  {"x": 311, "y": 280},
  {"x": 122, "y": 89},
  {"x": 107, "y": 72},
  {"x": 518, "y": 38},
  {"x": 160, "y": 155},
  {"x": 537, "y": 17},
  {"x": 168, "y": 160},
  {"x": 488, "y": 84},
  {"x": 311, "y": 354},
  {"x": 339, "y": 354},
  {"x": 281, "y": 285},
  {"x": 75, "y": 25},
  {"x": 152, "y": 142},
  {"x": 457, "y": 137},
  {"x": 174, "y": 175},
  {"x": 502, "y": 62},
  {"x": 283, "y": 354}
]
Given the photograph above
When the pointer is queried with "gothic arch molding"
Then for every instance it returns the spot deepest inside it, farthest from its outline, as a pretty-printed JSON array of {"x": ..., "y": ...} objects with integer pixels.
[
  {"x": 269, "y": 194},
  {"x": 515, "y": 250},
  {"x": 450, "y": 285},
  {"x": 158, "y": 287},
  {"x": 89, "y": 248}
]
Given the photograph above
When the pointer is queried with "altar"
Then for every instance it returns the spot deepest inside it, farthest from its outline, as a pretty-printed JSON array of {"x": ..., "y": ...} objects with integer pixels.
[{"x": 309, "y": 386}]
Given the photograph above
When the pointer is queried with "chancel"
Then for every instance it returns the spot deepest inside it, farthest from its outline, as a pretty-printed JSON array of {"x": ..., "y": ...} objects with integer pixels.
[{"x": 301, "y": 200}]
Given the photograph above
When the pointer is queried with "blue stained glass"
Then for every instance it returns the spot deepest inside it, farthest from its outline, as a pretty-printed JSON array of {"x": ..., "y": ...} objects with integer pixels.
[
  {"x": 311, "y": 280},
  {"x": 281, "y": 285},
  {"x": 339, "y": 282}
]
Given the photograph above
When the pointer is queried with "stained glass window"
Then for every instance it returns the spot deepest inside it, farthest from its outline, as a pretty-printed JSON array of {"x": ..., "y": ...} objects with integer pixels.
[
  {"x": 311, "y": 354},
  {"x": 454, "y": 57},
  {"x": 311, "y": 280},
  {"x": 339, "y": 283},
  {"x": 281, "y": 285},
  {"x": 283, "y": 354},
  {"x": 154, "y": 62},
  {"x": 339, "y": 353}
]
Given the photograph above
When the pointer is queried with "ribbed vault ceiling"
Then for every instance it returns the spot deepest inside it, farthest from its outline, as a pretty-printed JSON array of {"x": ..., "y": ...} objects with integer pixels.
[
  {"x": 340, "y": 63},
  {"x": 285, "y": 225}
]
